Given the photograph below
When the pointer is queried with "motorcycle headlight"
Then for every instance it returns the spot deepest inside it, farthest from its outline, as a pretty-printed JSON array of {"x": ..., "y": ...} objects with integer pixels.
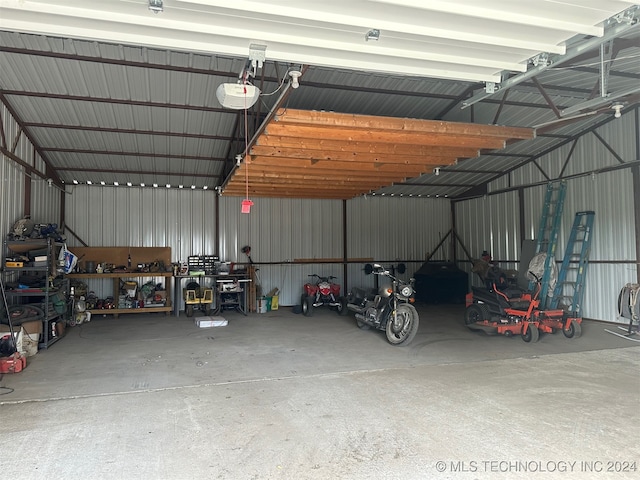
[{"x": 406, "y": 291}]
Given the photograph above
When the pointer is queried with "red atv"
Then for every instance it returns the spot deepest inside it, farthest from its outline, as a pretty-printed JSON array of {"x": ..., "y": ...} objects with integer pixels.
[{"x": 323, "y": 292}]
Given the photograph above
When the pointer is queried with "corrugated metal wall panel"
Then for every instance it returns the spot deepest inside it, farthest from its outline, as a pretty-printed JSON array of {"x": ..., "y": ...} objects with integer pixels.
[
  {"x": 490, "y": 223},
  {"x": 609, "y": 194},
  {"x": 533, "y": 203},
  {"x": 282, "y": 230},
  {"x": 390, "y": 229},
  {"x": 612, "y": 241},
  {"x": 45, "y": 202},
  {"x": 11, "y": 194},
  {"x": 602, "y": 287},
  {"x": 143, "y": 217}
]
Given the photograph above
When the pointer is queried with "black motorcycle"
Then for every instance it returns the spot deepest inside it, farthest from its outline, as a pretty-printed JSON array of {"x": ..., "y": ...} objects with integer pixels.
[{"x": 388, "y": 309}]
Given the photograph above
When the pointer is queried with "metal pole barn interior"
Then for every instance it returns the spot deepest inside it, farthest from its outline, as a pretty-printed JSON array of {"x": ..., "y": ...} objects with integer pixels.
[{"x": 110, "y": 128}]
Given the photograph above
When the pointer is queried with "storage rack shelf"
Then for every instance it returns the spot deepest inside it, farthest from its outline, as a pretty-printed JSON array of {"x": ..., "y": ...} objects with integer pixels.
[{"x": 45, "y": 274}]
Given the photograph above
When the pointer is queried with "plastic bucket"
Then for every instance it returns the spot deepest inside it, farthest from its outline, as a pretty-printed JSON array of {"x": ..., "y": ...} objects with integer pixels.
[{"x": 262, "y": 305}]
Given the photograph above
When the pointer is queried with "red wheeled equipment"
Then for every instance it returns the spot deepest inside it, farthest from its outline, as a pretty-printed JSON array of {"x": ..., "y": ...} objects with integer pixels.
[
  {"x": 323, "y": 292},
  {"x": 509, "y": 311}
]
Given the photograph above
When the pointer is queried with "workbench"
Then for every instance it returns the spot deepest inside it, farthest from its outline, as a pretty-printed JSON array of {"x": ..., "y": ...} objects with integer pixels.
[{"x": 120, "y": 256}]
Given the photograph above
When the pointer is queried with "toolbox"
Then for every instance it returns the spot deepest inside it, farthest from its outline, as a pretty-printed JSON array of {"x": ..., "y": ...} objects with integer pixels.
[{"x": 13, "y": 264}]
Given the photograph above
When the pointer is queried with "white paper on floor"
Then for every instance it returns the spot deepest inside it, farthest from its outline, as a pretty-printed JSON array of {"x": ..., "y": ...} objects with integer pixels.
[{"x": 207, "y": 322}]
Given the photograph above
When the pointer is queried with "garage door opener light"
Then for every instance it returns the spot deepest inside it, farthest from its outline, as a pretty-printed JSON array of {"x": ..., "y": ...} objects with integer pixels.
[{"x": 243, "y": 95}]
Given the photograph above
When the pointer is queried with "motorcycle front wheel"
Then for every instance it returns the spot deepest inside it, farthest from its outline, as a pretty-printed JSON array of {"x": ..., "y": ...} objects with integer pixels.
[{"x": 402, "y": 329}]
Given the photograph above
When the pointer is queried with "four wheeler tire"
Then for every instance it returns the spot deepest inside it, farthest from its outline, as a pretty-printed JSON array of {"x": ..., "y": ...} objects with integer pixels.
[
  {"x": 207, "y": 309},
  {"x": 307, "y": 306},
  {"x": 342, "y": 308},
  {"x": 532, "y": 334},
  {"x": 476, "y": 312},
  {"x": 23, "y": 313},
  {"x": 189, "y": 310},
  {"x": 402, "y": 329},
  {"x": 574, "y": 330}
]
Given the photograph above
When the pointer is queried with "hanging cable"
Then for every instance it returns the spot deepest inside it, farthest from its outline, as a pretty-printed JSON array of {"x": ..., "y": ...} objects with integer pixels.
[{"x": 246, "y": 147}]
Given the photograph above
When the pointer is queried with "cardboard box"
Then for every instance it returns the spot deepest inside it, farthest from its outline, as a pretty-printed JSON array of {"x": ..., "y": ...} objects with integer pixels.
[{"x": 32, "y": 327}]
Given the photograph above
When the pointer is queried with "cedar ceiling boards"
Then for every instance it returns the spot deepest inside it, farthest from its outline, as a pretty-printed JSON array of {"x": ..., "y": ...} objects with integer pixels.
[{"x": 315, "y": 154}]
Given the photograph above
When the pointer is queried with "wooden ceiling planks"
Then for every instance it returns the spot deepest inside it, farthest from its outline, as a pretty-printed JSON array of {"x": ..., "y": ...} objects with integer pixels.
[{"x": 315, "y": 154}]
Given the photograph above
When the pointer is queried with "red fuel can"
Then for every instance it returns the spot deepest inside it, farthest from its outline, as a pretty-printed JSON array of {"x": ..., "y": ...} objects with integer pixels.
[{"x": 13, "y": 364}]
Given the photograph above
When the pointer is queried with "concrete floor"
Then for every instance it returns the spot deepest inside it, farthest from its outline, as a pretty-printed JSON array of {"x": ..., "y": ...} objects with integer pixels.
[{"x": 283, "y": 396}]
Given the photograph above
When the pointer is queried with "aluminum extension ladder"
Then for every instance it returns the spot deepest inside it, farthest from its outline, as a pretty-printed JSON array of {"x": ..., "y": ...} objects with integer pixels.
[
  {"x": 547, "y": 238},
  {"x": 576, "y": 259}
]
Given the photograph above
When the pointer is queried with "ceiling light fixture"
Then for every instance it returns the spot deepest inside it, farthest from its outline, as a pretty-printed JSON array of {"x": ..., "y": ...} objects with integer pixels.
[
  {"x": 205, "y": 187},
  {"x": 295, "y": 75},
  {"x": 75, "y": 182},
  {"x": 115, "y": 184},
  {"x": 89, "y": 182},
  {"x": 156, "y": 6},
  {"x": 193, "y": 187},
  {"x": 102, "y": 183},
  {"x": 129, "y": 184},
  {"x": 155, "y": 185},
  {"x": 142, "y": 184},
  {"x": 373, "y": 34},
  {"x": 617, "y": 107}
]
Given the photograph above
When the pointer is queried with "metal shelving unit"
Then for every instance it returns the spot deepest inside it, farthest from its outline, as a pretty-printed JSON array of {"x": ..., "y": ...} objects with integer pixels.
[{"x": 54, "y": 284}]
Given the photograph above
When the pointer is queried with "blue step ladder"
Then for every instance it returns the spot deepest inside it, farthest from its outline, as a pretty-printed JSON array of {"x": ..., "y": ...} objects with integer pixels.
[
  {"x": 569, "y": 293},
  {"x": 547, "y": 238}
]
